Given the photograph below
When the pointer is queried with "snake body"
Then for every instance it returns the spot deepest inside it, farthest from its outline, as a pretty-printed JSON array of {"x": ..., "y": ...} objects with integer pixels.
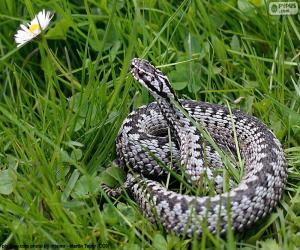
[{"x": 144, "y": 145}]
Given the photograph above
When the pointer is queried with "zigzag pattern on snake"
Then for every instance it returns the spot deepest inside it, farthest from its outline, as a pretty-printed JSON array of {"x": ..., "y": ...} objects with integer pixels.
[{"x": 143, "y": 140}]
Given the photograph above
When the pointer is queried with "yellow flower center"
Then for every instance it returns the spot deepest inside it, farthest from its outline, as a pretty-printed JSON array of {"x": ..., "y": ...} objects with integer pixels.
[{"x": 34, "y": 27}]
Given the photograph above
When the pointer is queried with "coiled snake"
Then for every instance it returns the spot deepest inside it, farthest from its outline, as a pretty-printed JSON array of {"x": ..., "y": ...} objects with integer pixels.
[{"x": 143, "y": 145}]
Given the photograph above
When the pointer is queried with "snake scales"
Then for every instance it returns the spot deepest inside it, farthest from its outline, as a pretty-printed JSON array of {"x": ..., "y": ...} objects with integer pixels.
[{"x": 143, "y": 145}]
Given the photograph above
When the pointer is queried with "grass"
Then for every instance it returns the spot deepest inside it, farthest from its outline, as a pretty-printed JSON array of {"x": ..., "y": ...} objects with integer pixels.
[{"x": 64, "y": 96}]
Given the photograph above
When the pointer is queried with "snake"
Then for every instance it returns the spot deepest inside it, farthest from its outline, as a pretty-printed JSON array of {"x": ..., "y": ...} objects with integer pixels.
[{"x": 165, "y": 136}]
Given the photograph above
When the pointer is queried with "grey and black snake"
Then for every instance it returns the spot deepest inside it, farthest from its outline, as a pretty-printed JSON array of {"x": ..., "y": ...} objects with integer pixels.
[{"x": 143, "y": 145}]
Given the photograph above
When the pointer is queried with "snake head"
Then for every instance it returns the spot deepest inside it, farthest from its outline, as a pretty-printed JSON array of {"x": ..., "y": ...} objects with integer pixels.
[{"x": 151, "y": 78}]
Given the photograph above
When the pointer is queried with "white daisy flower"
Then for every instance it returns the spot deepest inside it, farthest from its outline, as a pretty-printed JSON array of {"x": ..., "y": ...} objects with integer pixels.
[{"x": 35, "y": 27}]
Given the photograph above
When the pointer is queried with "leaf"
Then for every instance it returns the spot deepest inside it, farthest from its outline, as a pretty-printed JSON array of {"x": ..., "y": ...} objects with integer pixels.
[
  {"x": 128, "y": 212},
  {"x": 61, "y": 171},
  {"x": 76, "y": 154},
  {"x": 263, "y": 106},
  {"x": 173, "y": 241},
  {"x": 73, "y": 144},
  {"x": 79, "y": 124},
  {"x": 86, "y": 186},
  {"x": 291, "y": 115},
  {"x": 179, "y": 77},
  {"x": 159, "y": 242},
  {"x": 277, "y": 126},
  {"x": 73, "y": 204},
  {"x": 110, "y": 215},
  {"x": 133, "y": 246},
  {"x": 112, "y": 38},
  {"x": 114, "y": 50},
  {"x": 112, "y": 117},
  {"x": 248, "y": 104},
  {"x": 235, "y": 43},
  {"x": 219, "y": 47},
  {"x": 113, "y": 176},
  {"x": 245, "y": 5},
  {"x": 194, "y": 45},
  {"x": 77, "y": 105},
  {"x": 64, "y": 156},
  {"x": 270, "y": 244},
  {"x": 12, "y": 162},
  {"x": 8, "y": 180},
  {"x": 59, "y": 31},
  {"x": 70, "y": 185},
  {"x": 296, "y": 239},
  {"x": 257, "y": 3}
]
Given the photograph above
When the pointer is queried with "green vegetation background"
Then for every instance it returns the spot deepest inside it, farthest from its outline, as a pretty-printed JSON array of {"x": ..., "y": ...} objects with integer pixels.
[{"x": 64, "y": 96}]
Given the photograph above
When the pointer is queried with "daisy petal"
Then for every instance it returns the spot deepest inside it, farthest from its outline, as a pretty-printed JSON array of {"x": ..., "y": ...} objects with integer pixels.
[{"x": 27, "y": 32}]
